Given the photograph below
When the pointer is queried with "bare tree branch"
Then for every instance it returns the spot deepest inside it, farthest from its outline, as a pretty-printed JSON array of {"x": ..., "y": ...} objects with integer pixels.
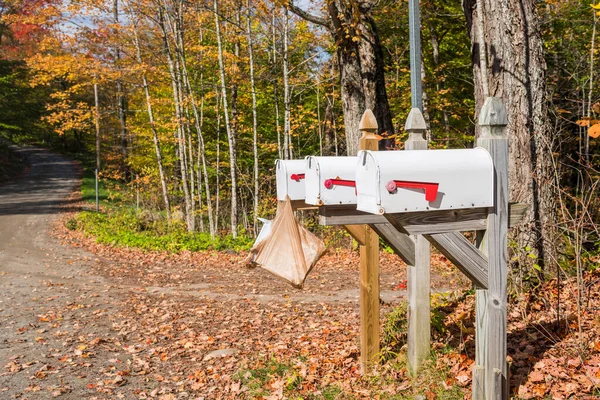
[{"x": 308, "y": 16}]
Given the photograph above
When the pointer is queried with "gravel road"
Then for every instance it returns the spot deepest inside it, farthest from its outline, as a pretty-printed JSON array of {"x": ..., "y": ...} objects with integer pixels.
[{"x": 38, "y": 274}]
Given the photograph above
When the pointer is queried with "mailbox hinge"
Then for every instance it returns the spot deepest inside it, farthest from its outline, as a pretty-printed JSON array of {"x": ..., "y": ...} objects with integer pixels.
[
  {"x": 296, "y": 177},
  {"x": 431, "y": 189}
]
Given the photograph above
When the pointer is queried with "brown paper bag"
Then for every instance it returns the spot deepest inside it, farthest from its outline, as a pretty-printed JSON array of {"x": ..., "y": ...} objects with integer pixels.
[{"x": 290, "y": 251}]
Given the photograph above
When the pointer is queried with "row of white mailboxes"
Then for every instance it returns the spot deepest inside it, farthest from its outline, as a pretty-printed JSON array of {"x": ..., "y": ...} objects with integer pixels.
[{"x": 391, "y": 181}]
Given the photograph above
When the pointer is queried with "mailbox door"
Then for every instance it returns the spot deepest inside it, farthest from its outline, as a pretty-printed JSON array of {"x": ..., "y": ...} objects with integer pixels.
[
  {"x": 409, "y": 181},
  {"x": 289, "y": 176},
  {"x": 330, "y": 180}
]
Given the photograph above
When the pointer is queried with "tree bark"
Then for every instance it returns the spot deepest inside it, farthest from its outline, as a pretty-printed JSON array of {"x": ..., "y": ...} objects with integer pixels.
[
  {"x": 361, "y": 64},
  {"x": 163, "y": 180},
  {"x": 121, "y": 99},
  {"x": 254, "y": 117},
  {"x": 287, "y": 142},
  {"x": 228, "y": 125},
  {"x": 516, "y": 71}
]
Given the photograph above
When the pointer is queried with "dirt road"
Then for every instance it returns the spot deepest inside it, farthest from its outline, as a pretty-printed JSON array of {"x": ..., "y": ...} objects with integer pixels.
[
  {"x": 38, "y": 276},
  {"x": 106, "y": 323}
]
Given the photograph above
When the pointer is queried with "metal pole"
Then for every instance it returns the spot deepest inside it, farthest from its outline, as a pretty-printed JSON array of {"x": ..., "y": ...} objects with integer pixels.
[
  {"x": 97, "y": 208},
  {"x": 414, "y": 25}
]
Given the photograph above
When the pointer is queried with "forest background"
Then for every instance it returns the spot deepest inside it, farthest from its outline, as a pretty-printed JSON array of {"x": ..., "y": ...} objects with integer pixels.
[{"x": 183, "y": 107}]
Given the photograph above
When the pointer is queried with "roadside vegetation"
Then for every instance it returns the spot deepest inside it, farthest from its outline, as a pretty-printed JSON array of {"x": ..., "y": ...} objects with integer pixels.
[{"x": 11, "y": 165}]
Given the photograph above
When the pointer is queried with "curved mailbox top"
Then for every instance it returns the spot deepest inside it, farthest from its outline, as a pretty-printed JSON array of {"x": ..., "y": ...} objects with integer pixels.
[
  {"x": 289, "y": 176},
  {"x": 330, "y": 180},
  {"x": 419, "y": 180}
]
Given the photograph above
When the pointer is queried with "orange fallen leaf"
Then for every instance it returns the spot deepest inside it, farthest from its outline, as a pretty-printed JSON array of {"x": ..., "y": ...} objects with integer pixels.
[{"x": 594, "y": 131}]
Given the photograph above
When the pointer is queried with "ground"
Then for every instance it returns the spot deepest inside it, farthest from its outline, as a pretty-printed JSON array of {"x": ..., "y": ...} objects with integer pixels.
[{"x": 82, "y": 320}]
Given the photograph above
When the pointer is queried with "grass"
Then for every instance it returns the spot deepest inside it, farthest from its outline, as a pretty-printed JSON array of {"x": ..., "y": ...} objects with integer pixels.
[
  {"x": 88, "y": 189},
  {"x": 260, "y": 380},
  {"x": 123, "y": 228},
  {"x": 119, "y": 223}
]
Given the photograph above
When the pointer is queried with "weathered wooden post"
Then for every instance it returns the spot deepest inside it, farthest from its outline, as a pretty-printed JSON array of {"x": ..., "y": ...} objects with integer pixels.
[
  {"x": 418, "y": 275},
  {"x": 369, "y": 265},
  {"x": 493, "y": 121}
]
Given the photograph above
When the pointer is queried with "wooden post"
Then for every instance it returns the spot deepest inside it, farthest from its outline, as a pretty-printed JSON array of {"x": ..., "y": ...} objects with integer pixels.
[
  {"x": 481, "y": 329},
  {"x": 418, "y": 275},
  {"x": 493, "y": 121},
  {"x": 369, "y": 267}
]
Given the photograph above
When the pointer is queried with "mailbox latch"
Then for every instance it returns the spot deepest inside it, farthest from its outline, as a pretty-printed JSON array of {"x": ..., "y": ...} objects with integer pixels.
[
  {"x": 296, "y": 177},
  {"x": 431, "y": 189}
]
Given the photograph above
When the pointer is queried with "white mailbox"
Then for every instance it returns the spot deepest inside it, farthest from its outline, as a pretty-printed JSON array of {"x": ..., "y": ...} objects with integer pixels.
[
  {"x": 330, "y": 180},
  {"x": 421, "y": 180},
  {"x": 289, "y": 175}
]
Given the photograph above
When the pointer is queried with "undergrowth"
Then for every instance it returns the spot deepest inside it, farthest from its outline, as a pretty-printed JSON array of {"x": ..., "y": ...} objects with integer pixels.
[
  {"x": 124, "y": 228},
  {"x": 120, "y": 224},
  {"x": 10, "y": 163}
]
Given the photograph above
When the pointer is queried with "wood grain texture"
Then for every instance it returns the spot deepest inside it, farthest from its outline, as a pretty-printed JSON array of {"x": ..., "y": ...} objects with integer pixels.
[
  {"x": 467, "y": 258},
  {"x": 357, "y": 232},
  {"x": 495, "y": 141},
  {"x": 419, "y": 271},
  {"x": 369, "y": 268},
  {"x": 419, "y": 299},
  {"x": 402, "y": 244},
  {"x": 349, "y": 215},
  {"x": 369, "y": 301},
  {"x": 301, "y": 205},
  {"x": 334, "y": 220},
  {"x": 427, "y": 222},
  {"x": 481, "y": 329},
  {"x": 516, "y": 213}
]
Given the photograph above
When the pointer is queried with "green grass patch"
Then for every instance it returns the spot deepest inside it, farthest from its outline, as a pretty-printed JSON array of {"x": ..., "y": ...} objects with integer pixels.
[{"x": 122, "y": 227}]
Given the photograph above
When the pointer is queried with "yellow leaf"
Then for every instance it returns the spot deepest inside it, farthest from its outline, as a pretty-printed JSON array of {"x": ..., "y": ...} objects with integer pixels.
[
  {"x": 585, "y": 121},
  {"x": 594, "y": 131}
]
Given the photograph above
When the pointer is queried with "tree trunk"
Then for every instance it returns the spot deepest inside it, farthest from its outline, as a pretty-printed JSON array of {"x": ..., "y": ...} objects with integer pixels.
[
  {"x": 287, "y": 143},
  {"x": 361, "y": 64},
  {"x": 180, "y": 130},
  {"x": 121, "y": 99},
  {"x": 228, "y": 124},
  {"x": 254, "y": 117},
  {"x": 516, "y": 72},
  {"x": 161, "y": 173},
  {"x": 275, "y": 94}
]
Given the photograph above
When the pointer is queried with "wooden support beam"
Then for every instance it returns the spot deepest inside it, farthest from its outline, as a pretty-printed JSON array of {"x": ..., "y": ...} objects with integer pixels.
[
  {"x": 357, "y": 232},
  {"x": 369, "y": 267},
  {"x": 516, "y": 212},
  {"x": 402, "y": 244},
  {"x": 418, "y": 272},
  {"x": 463, "y": 254},
  {"x": 369, "y": 301},
  {"x": 493, "y": 121},
  {"x": 347, "y": 215},
  {"x": 416, "y": 222},
  {"x": 427, "y": 222},
  {"x": 301, "y": 205},
  {"x": 481, "y": 326}
]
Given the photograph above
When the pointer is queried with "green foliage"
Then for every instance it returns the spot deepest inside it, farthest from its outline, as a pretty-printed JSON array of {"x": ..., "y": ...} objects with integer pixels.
[
  {"x": 123, "y": 228},
  {"x": 256, "y": 379},
  {"x": 10, "y": 164},
  {"x": 395, "y": 331},
  {"x": 21, "y": 106}
]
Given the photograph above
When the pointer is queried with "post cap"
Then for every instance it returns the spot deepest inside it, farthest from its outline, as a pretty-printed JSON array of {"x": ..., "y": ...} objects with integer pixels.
[
  {"x": 493, "y": 113},
  {"x": 368, "y": 122},
  {"x": 415, "y": 121}
]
